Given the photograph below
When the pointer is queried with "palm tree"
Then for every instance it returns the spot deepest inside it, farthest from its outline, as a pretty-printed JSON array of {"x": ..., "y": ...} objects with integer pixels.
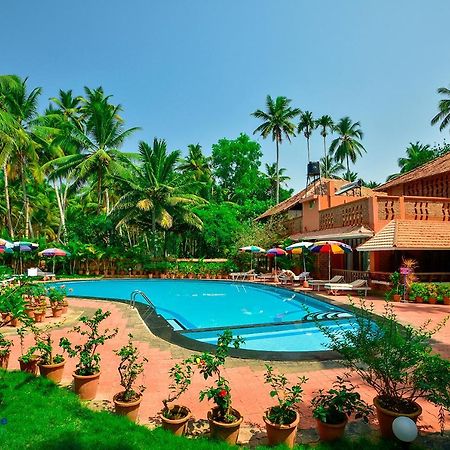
[
  {"x": 271, "y": 175},
  {"x": 326, "y": 125},
  {"x": 21, "y": 107},
  {"x": 443, "y": 115},
  {"x": 277, "y": 121},
  {"x": 349, "y": 176},
  {"x": 100, "y": 139},
  {"x": 197, "y": 166},
  {"x": 347, "y": 146},
  {"x": 154, "y": 193},
  {"x": 329, "y": 168},
  {"x": 417, "y": 154},
  {"x": 306, "y": 126}
]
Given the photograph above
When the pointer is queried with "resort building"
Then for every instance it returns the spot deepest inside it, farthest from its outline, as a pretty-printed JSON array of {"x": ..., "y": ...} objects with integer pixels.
[{"x": 408, "y": 216}]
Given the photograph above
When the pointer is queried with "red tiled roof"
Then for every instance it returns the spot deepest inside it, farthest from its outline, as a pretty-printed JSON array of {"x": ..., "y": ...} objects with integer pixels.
[
  {"x": 437, "y": 166},
  {"x": 410, "y": 235}
]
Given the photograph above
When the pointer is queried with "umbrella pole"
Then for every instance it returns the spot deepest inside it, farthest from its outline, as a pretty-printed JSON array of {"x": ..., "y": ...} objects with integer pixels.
[
  {"x": 53, "y": 264},
  {"x": 329, "y": 265},
  {"x": 304, "y": 264},
  {"x": 251, "y": 261}
]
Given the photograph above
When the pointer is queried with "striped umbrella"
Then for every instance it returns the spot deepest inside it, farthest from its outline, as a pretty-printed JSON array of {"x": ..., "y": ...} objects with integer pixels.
[
  {"x": 24, "y": 246},
  {"x": 6, "y": 246},
  {"x": 252, "y": 249},
  {"x": 52, "y": 252},
  {"x": 299, "y": 249},
  {"x": 335, "y": 247},
  {"x": 274, "y": 252}
]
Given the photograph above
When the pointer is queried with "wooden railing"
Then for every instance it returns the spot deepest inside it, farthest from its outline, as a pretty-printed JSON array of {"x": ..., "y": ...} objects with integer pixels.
[
  {"x": 383, "y": 277},
  {"x": 351, "y": 214}
]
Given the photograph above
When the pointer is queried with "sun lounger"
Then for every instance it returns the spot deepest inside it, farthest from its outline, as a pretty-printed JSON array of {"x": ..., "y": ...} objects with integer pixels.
[
  {"x": 35, "y": 272},
  {"x": 357, "y": 285},
  {"x": 287, "y": 276},
  {"x": 319, "y": 283},
  {"x": 235, "y": 276}
]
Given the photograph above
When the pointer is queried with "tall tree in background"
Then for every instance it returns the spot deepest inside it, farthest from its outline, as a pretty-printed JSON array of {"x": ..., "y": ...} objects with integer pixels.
[
  {"x": 198, "y": 167},
  {"x": 329, "y": 168},
  {"x": 306, "y": 126},
  {"x": 271, "y": 174},
  {"x": 443, "y": 116},
  {"x": 326, "y": 125},
  {"x": 100, "y": 139},
  {"x": 347, "y": 146},
  {"x": 277, "y": 121}
]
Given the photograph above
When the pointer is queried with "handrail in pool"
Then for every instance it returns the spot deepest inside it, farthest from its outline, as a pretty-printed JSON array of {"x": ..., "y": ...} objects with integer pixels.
[{"x": 150, "y": 304}]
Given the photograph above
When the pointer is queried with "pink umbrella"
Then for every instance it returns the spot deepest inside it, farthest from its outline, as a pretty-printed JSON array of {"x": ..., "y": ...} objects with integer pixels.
[{"x": 274, "y": 252}]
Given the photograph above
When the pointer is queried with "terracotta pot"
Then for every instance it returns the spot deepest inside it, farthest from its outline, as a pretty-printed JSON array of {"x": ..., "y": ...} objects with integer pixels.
[
  {"x": 396, "y": 297},
  {"x": 57, "y": 311},
  {"x": 29, "y": 367},
  {"x": 227, "y": 432},
  {"x": 53, "y": 372},
  {"x": 446, "y": 300},
  {"x": 6, "y": 317},
  {"x": 305, "y": 284},
  {"x": 329, "y": 431},
  {"x": 432, "y": 300},
  {"x": 282, "y": 434},
  {"x": 128, "y": 409},
  {"x": 85, "y": 385},
  {"x": 15, "y": 322},
  {"x": 177, "y": 426},
  {"x": 29, "y": 312},
  {"x": 386, "y": 417},
  {"x": 419, "y": 300},
  {"x": 65, "y": 308},
  {"x": 4, "y": 360},
  {"x": 39, "y": 316}
]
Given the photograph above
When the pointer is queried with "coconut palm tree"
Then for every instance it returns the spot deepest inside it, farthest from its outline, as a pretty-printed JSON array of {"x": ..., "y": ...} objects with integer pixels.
[
  {"x": 100, "y": 139},
  {"x": 417, "y": 154},
  {"x": 271, "y": 175},
  {"x": 329, "y": 168},
  {"x": 154, "y": 193},
  {"x": 443, "y": 116},
  {"x": 306, "y": 126},
  {"x": 326, "y": 125},
  {"x": 347, "y": 146},
  {"x": 277, "y": 122},
  {"x": 349, "y": 176}
]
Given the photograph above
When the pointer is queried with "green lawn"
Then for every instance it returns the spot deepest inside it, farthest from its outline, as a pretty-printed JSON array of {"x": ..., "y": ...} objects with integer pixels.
[{"x": 36, "y": 414}]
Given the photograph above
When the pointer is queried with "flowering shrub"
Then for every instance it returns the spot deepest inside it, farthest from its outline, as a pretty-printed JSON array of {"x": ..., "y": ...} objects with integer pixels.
[
  {"x": 57, "y": 294},
  {"x": 210, "y": 366}
]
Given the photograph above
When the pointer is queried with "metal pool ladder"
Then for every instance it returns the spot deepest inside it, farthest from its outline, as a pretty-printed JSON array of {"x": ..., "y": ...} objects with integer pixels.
[{"x": 150, "y": 306}]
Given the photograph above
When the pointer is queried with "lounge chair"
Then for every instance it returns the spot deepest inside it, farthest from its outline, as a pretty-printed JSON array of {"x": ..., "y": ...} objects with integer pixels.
[
  {"x": 319, "y": 283},
  {"x": 287, "y": 276},
  {"x": 35, "y": 272},
  {"x": 235, "y": 276},
  {"x": 357, "y": 285}
]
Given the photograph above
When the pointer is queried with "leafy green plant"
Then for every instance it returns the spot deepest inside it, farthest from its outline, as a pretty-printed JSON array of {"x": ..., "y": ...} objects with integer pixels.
[
  {"x": 180, "y": 375},
  {"x": 5, "y": 345},
  {"x": 210, "y": 366},
  {"x": 57, "y": 294},
  {"x": 395, "y": 360},
  {"x": 417, "y": 290},
  {"x": 44, "y": 346},
  {"x": 288, "y": 396},
  {"x": 431, "y": 291},
  {"x": 340, "y": 402},
  {"x": 89, "y": 358},
  {"x": 12, "y": 303},
  {"x": 29, "y": 354}
]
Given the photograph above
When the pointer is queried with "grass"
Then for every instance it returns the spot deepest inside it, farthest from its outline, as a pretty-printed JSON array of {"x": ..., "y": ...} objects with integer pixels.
[{"x": 36, "y": 414}]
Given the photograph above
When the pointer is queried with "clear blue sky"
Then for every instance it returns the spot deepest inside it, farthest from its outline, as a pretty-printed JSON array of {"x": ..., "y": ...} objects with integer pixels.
[{"x": 193, "y": 71}]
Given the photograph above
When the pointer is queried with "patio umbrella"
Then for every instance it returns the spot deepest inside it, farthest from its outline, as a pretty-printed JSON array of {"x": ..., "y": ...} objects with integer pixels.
[
  {"x": 6, "y": 250},
  {"x": 6, "y": 246},
  {"x": 335, "y": 247},
  {"x": 24, "y": 246},
  {"x": 274, "y": 252},
  {"x": 299, "y": 249},
  {"x": 252, "y": 249},
  {"x": 52, "y": 252}
]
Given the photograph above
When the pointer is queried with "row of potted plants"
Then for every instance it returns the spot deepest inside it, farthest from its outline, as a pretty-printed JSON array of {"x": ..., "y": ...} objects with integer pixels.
[{"x": 431, "y": 293}]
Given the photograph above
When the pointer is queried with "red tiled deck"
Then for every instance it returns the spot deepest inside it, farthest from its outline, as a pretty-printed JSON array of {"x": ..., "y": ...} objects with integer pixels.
[{"x": 250, "y": 394}]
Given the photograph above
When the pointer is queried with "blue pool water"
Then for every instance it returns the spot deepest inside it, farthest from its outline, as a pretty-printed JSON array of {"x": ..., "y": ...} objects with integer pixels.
[{"x": 193, "y": 307}]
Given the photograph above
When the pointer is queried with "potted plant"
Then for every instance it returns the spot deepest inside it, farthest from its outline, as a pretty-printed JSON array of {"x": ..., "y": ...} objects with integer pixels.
[
  {"x": 39, "y": 314},
  {"x": 444, "y": 291},
  {"x": 224, "y": 421},
  {"x": 57, "y": 296},
  {"x": 50, "y": 365},
  {"x": 397, "y": 287},
  {"x": 332, "y": 409},
  {"x": 175, "y": 417},
  {"x": 5, "y": 350},
  {"x": 432, "y": 293},
  {"x": 282, "y": 419},
  {"x": 131, "y": 365},
  {"x": 395, "y": 360},
  {"x": 28, "y": 360},
  {"x": 417, "y": 291},
  {"x": 87, "y": 373}
]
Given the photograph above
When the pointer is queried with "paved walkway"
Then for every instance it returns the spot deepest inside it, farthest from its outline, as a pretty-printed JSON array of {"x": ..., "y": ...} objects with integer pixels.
[{"x": 250, "y": 394}]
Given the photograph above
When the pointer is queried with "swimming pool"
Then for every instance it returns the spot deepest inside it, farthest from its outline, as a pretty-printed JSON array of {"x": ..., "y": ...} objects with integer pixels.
[{"x": 270, "y": 319}]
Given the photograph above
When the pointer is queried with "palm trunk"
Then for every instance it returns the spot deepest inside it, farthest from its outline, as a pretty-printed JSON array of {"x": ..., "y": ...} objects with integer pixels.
[
  {"x": 309, "y": 156},
  {"x": 107, "y": 200},
  {"x": 25, "y": 201},
  {"x": 62, "y": 217},
  {"x": 99, "y": 190},
  {"x": 8, "y": 202},
  {"x": 348, "y": 166},
  {"x": 325, "y": 155},
  {"x": 277, "y": 194}
]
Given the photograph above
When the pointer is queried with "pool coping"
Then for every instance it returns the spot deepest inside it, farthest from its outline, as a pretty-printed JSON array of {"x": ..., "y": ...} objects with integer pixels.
[{"x": 160, "y": 327}]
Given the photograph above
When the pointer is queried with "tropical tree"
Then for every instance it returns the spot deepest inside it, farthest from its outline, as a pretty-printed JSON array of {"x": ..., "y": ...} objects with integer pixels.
[
  {"x": 443, "y": 116},
  {"x": 329, "y": 168},
  {"x": 100, "y": 139},
  {"x": 326, "y": 125},
  {"x": 271, "y": 175},
  {"x": 154, "y": 193},
  {"x": 349, "y": 176},
  {"x": 306, "y": 126},
  {"x": 347, "y": 146},
  {"x": 370, "y": 184},
  {"x": 277, "y": 122}
]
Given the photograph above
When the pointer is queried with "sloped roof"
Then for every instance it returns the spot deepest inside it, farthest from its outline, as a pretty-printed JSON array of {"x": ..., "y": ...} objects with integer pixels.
[
  {"x": 434, "y": 167},
  {"x": 410, "y": 235},
  {"x": 335, "y": 233},
  {"x": 306, "y": 193}
]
